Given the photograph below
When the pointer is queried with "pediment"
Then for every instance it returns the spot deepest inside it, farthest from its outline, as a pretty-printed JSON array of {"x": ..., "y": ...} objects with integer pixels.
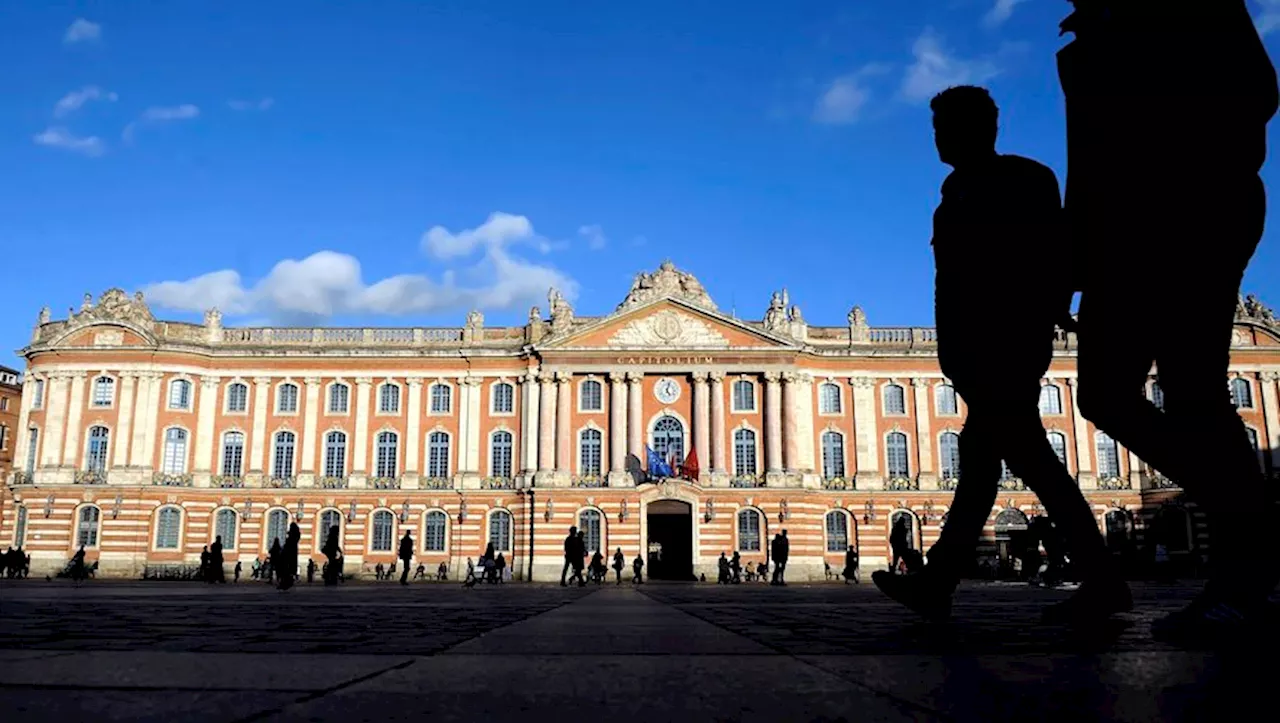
[
  {"x": 105, "y": 335},
  {"x": 668, "y": 324}
]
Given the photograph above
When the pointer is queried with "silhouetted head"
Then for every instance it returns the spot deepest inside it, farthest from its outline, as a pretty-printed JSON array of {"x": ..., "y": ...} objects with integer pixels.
[
  {"x": 965, "y": 122},
  {"x": 573, "y": 530}
]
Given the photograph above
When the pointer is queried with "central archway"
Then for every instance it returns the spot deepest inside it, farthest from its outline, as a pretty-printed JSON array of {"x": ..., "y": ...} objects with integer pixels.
[{"x": 669, "y": 547}]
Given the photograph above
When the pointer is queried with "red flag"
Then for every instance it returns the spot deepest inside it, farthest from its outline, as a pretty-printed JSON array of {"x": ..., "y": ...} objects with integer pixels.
[{"x": 691, "y": 464}]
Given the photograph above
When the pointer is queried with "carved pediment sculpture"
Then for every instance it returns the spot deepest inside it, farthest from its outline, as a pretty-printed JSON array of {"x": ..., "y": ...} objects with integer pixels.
[
  {"x": 1251, "y": 309},
  {"x": 668, "y": 328},
  {"x": 667, "y": 282},
  {"x": 114, "y": 305},
  {"x": 561, "y": 312}
]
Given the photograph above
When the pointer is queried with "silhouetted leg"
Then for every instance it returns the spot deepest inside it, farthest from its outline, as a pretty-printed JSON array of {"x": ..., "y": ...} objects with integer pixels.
[{"x": 975, "y": 496}]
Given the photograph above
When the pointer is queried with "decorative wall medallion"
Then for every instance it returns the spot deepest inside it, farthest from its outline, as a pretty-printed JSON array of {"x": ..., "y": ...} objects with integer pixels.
[
  {"x": 110, "y": 337},
  {"x": 668, "y": 328},
  {"x": 667, "y": 390}
]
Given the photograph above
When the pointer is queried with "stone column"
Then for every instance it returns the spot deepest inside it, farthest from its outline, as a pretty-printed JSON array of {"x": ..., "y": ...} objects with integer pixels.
[
  {"x": 866, "y": 432},
  {"x": 924, "y": 434},
  {"x": 529, "y": 418},
  {"x": 310, "y": 425},
  {"x": 55, "y": 404},
  {"x": 1270, "y": 438},
  {"x": 790, "y": 423},
  {"x": 258, "y": 448},
  {"x": 805, "y": 443},
  {"x": 23, "y": 432},
  {"x": 471, "y": 437},
  {"x": 702, "y": 424},
  {"x": 547, "y": 428},
  {"x": 564, "y": 426},
  {"x": 413, "y": 435},
  {"x": 360, "y": 443},
  {"x": 1084, "y": 459},
  {"x": 618, "y": 476},
  {"x": 635, "y": 416},
  {"x": 75, "y": 411},
  {"x": 718, "y": 467},
  {"x": 773, "y": 428},
  {"x": 151, "y": 425},
  {"x": 124, "y": 422},
  {"x": 142, "y": 410},
  {"x": 206, "y": 412}
]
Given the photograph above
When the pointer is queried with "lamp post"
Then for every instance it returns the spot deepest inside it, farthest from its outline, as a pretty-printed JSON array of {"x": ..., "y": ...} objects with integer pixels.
[{"x": 869, "y": 515}]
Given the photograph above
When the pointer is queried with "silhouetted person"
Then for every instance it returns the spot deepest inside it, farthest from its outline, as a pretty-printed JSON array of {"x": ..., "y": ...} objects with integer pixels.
[
  {"x": 311, "y": 570},
  {"x": 850, "y": 571},
  {"x": 780, "y": 552},
  {"x": 994, "y": 246},
  {"x": 899, "y": 542},
  {"x": 287, "y": 567},
  {"x": 273, "y": 558},
  {"x": 406, "y": 554},
  {"x": 78, "y": 571},
  {"x": 570, "y": 544},
  {"x": 1167, "y": 109},
  {"x": 216, "y": 561},
  {"x": 237, "y": 572},
  {"x": 619, "y": 562},
  {"x": 637, "y": 566},
  {"x": 722, "y": 569},
  {"x": 735, "y": 567},
  {"x": 578, "y": 562},
  {"x": 204, "y": 565},
  {"x": 332, "y": 553},
  {"x": 500, "y": 564}
]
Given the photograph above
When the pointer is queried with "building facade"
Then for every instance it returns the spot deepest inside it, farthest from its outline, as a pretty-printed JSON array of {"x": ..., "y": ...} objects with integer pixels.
[
  {"x": 10, "y": 404},
  {"x": 143, "y": 439}
]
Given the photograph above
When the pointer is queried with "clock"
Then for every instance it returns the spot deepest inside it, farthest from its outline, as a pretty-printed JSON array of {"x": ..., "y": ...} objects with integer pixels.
[{"x": 666, "y": 390}]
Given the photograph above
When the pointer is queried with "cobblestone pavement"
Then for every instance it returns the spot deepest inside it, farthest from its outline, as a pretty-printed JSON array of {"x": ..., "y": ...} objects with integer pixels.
[{"x": 181, "y": 651}]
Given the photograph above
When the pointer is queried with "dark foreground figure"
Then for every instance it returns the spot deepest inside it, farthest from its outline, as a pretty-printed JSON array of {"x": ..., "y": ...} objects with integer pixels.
[
  {"x": 1167, "y": 109},
  {"x": 994, "y": 235}
]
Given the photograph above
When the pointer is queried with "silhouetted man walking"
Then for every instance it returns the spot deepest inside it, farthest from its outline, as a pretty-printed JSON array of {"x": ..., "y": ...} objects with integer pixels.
[
  {"x": 570, "y": 547},
  {"x": 406, "y": 554},
  {"x": 993, "y": 246},
  {"x": 1167, "y": 108}
]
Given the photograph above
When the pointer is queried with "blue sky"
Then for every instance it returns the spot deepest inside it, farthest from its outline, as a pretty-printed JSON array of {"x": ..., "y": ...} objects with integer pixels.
[{"x": 399, "y": 163}]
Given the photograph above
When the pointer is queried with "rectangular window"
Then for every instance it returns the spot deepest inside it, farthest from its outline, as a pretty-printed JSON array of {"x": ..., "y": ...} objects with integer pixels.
[
  {"x": 435, "y": 531},
  {"x": 38, "y": 400},
  {"x": 837, "y": 532},
  {"x": 749, "y": 531},
  {"x": 33, "y": 440},
  {"x": 503, "y": 398},
  {"x": 4, "y": 404},
  {"x": 20, "y": 529},
  {"x": 4, "y": 437}
]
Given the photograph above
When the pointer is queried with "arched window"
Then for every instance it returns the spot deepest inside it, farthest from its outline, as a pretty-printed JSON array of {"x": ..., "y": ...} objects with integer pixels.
[
  {"x": 589, "y": 453},
  {"x": 895, "y": 451},
  {"x": 1058, "y": 441},
  {"x": 104, "y": 391},
  {"x": 832, "y": 455},
  {"x": 1253, "y": 437},
  {"x": 437, "y": 524},
  {"x": 744, "y": 453},
  {"x": 180, "y": 394},
  {"x": 909, "y": 521},
  {"x": 87, "y": 526},
  {"x": 99, "y": 444},
  {"x": 389, "y": 399},
  {"x": 20, "y": 527},
  {"x": 837, "y": 531},
  {"x": 383, "y": 524},
  {"x": 168, "y": 527},
  {"x": 895, "y": 399},
  {"x": 237, "y": 397},
  {"x": 504, "y": 398},
  {"x": 277, "y": 527},
  {"x": 233, "y": 454},
  {"x": 282, "y": 460},
  {"x": 668, "y": 440},
  {"x": 947, "y": 405},
  {"x": 949, "y": 454},
  {"x": 500, "y": 453},
  {"x": 589, "y": 523},
  {"x": 500, "y": 530},
  {"x": 330, "y": 519},
  {"x": 335, "y": 454},
  {"x": 438, "y": 455},
  {"x": 1241, "y": 393},
  {"x": 174, "y": 460},
  {"x": 441, "y": 398},
  {"x": 224, "y": 526},
  {"x": 1157, "y": 395},
  {"x": 287, "y": 399},
  {"x": 750, "y": 528},
  {"x": 744, "y": 396},
  {"x": 388, "y": 446},
  {"x": 592, "y": 396},
  {"x": 1050, "y": 399},
  {"x": 828, "y": 399},
  {"x": 1108, "y": 456},
  {"x": 1009, "y": 521},
  {"x": 339, "y": 398}
]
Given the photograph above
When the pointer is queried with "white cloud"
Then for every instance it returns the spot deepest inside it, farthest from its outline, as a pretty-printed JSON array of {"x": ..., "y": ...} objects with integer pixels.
[
  {"x": 329, "y": 283},
  {"x": 82, "y": 30},
  {"x": 1001, "y": 12},
  {"x": 263, "y": 104},
  {"x": 1269, "y": 19},
  {"x": 60, "y": 137},
  {"x": 75, "y": 99},
  {"x": 594, "y": 235},
  {"x": 161, "y": 114},
  {"x": 935, "y": 69}
]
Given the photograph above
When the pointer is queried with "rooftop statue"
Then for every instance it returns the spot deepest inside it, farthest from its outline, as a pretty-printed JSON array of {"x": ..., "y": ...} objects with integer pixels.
[
  {"x": 667, "y": 282},
  {"x": 113, "y": 305}
]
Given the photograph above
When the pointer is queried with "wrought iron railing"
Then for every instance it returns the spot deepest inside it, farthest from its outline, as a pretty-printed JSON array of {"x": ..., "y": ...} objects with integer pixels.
[
  {"x": 902, "y": 484},
  {"x": 839, "y": 483},
  {"x": 588, "y": 480},
  {"x": 1115, "y": 483},
  {"x": 332, "y": 483},
  {"x": 90, "y": 477},
  {"x": 436, "y": 483},
  {"x": 498, "y": 483},
  {"x": 948, "y": 483},
  {"x": 166, "y": 479},
  {"x": 1012, "y": 484},
  {"x": 227, "y": 481},
  {"x": 281, "y": 482},
  {"x": 384, "y": 483}
]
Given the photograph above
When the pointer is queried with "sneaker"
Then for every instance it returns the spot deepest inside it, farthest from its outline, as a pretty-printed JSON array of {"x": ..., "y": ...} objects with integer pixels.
[
  {"x": 1092, "y": 603},
  {"x": 922, "y": 593}
]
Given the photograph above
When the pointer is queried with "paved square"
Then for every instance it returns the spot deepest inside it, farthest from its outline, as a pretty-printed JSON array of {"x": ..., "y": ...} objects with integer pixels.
[{"x": 169, "y": 651}]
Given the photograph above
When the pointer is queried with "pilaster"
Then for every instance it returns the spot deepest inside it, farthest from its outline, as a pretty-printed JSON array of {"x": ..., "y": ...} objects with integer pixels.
[
  {"x": 206, "y": 411},
  {"x": 310, "y": 425},
  {"x": 258, "y": 448},
  {"x": 413, "y": 430},
  {"x": 23, "y": 432},
  {"x": 924, "y": 434},
  {"x": 144, "y": 403},
  {"x": 124, "y": 421},
  {"x": 866, "y": 434},
  {"x": 471, "y": 436},
  {"x": 774, "y": 462},
  {"x": 1270, "y": 439},
  {"x": 150, "y": 426},
  {"x": 1084, "y": 459},
  {"x": 718, "y": 468},
  {"x": 75, "y": 410},
  {"x": 529, "y": 423},
  {"x": 547, "y": 429},
  {"x": 635, "y": 415},
  {"x": 360, "y": 442},
  {"x": 618, "y": 475},
  {"x": 564, "y": 426}
]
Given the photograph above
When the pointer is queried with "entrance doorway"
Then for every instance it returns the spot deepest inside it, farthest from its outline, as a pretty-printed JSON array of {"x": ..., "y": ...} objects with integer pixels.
[{"x": 669, "y": 552}]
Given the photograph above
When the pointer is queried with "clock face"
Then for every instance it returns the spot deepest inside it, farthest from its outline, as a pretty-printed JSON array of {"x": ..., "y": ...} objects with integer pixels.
[{"x": 667, "y": 391}]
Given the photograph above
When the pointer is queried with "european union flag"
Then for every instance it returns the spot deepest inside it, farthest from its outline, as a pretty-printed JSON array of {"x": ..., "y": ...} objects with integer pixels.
[{"x": 657, "y": 466}]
